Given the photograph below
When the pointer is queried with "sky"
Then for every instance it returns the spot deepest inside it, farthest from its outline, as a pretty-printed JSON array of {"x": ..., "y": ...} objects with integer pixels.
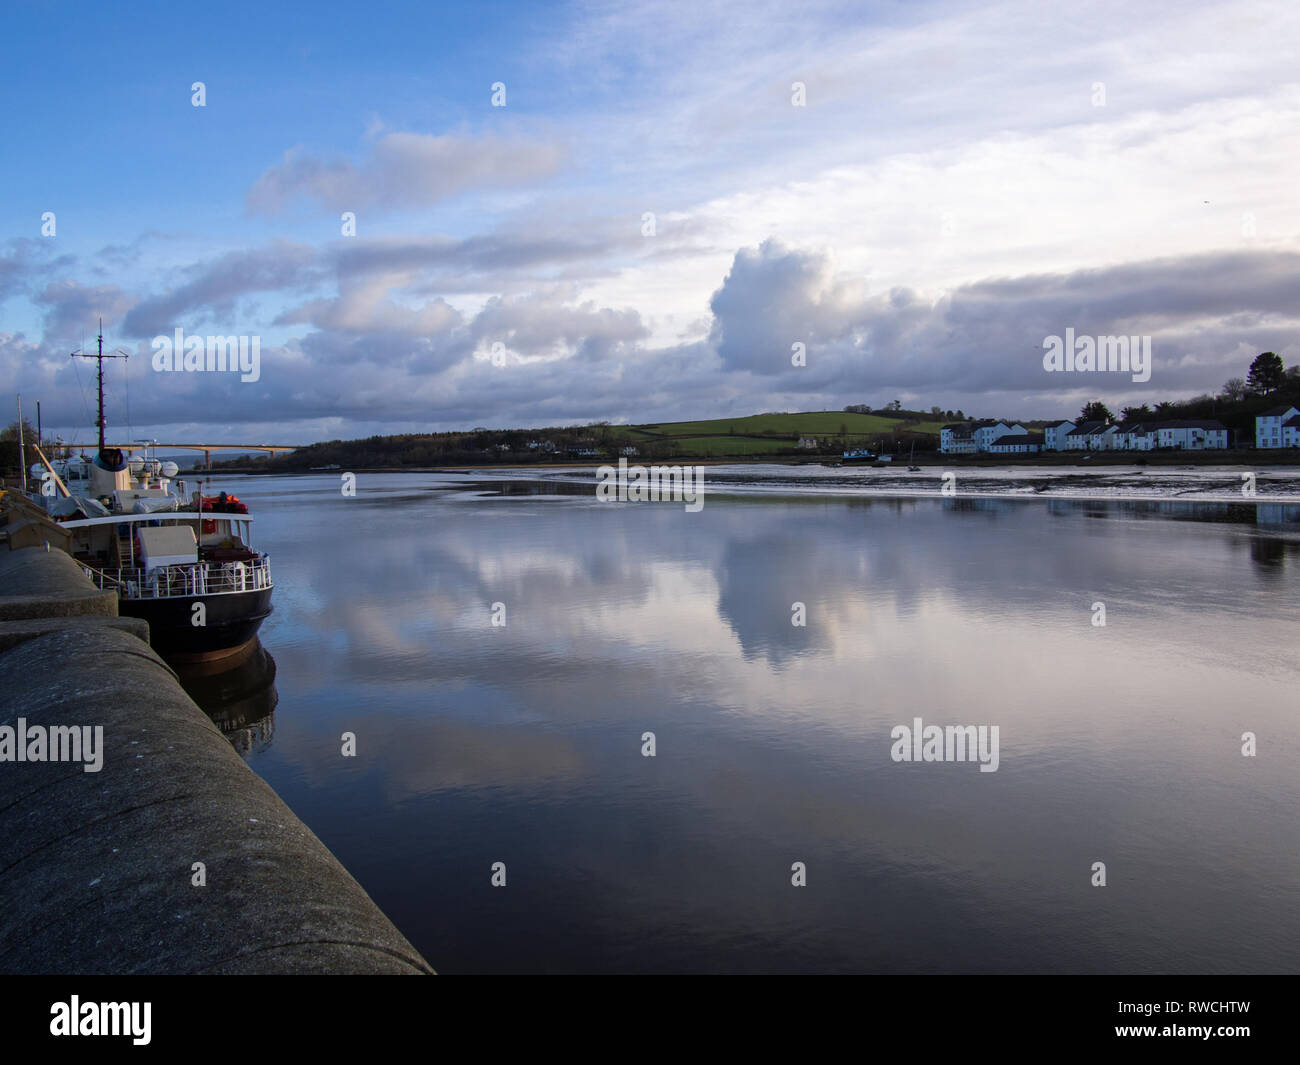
[{"x": 565, "y": 213}]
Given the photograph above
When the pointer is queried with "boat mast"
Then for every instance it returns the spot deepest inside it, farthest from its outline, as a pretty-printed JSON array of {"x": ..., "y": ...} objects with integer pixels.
[
  {"x": 99, "y": 357},
  {"x": 22, "y": 452}
]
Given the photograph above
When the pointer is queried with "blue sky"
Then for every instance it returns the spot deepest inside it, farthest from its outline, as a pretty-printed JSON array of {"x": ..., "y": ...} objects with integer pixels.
[{"x": 963, "y": 181}]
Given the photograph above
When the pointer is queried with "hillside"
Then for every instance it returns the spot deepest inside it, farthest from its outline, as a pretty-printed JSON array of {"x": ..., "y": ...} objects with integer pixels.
[{"x": 753, "y": 436}]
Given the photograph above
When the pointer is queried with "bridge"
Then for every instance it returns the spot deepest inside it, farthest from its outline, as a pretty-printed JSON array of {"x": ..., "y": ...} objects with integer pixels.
[{"x": 207, "y": 449}]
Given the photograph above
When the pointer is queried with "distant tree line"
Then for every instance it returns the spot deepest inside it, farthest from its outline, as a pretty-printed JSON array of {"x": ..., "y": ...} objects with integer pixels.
[
  {"x": 1268, "y": 383},
  {"x": 894, "y": 409},
  {"x": 476, "y": 447}
]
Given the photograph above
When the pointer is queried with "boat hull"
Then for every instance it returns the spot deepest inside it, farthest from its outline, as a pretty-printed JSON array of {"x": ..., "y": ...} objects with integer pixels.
[{"x": 231, "y": 620}]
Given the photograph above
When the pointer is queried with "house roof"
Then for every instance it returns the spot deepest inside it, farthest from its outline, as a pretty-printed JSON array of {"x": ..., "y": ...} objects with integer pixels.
[
  {"x": 1015, "y": 438},
  {"x": 1292, "y": 423},
  {"x": 1277, "y": 412},
  {"x": 1088, "y": 428},
  {"x": 1191, "y": 423},
  {"x": 1146, "y": 428}
]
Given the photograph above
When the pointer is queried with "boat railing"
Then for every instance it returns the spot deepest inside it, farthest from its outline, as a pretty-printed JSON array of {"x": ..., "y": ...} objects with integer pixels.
[{"x": 183, "y": 581}]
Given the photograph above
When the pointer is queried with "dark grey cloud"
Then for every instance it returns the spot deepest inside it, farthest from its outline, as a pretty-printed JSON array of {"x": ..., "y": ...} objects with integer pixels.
[{"x": 1201, "y": 311}]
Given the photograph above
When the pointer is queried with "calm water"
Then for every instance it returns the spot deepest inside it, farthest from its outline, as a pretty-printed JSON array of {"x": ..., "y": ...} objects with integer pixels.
[{"x": 522, "y": 744}]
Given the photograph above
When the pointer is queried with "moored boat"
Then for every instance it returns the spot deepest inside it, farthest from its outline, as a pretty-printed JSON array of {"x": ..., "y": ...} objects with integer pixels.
[{"x": 182, "y": 561}]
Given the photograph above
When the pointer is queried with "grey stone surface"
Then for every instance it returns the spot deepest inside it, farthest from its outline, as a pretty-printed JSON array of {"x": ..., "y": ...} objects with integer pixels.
[
  {"x": 13, "y": 633},
  {"x": 96, "y": 868},
  {"x": 35, "y": 583}
]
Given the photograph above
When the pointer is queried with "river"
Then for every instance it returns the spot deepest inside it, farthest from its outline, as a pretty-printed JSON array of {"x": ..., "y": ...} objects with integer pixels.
[{"x": 499, "y": 648}]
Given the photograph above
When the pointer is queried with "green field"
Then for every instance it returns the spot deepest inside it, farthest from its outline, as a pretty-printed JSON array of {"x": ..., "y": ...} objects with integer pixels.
[
  {"x": 813, "y": 423},
  {"x": 763, "y": 434}
]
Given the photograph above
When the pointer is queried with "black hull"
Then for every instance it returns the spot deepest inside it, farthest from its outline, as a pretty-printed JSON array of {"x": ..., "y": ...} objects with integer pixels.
[{"x": 232, "y": 619}]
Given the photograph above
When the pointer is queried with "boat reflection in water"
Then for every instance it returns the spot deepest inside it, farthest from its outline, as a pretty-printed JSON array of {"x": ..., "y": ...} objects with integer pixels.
[{"x": 237, "y": 692}]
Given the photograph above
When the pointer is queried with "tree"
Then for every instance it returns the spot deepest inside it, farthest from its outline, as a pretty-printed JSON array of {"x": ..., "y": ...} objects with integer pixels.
[
  {"x": 960, "y": 416},
  {"x": 1266, "y": 373},
  {"x": 936, "y": 412},
  {"x": 1135, "y": 414},
  {"x": 1234, "y": 389},
  {"x": 9, "y": 451},
  {"x": 1096, "y": 411}
]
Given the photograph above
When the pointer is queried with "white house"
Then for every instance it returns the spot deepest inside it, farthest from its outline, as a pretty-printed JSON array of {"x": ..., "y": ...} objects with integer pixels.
[
  {"x": 1291, "y": 432},
  {"x": 1136, "y": 437},
  {"x": 1015, "y": 444},
  {"x": 972, "y": 437},
  {"x": 1123, "y": 437},
  {"x": 1089, "y": 436},
  {"x": 809, "y": 442},
  {"x": 1202, "y": 435},
  {"x": 1054, "y": 436},
  {"x": 957, "y": 440},
  {"x": 986, "y": 434},
  {"x": 1268, "y": 426}
]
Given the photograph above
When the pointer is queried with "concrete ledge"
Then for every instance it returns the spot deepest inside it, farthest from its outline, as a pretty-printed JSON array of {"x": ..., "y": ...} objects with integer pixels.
[
  {"x": 48, "y": 584},
  {"x": 13, "y": 633},
  {"x": 95, "y": 868}
]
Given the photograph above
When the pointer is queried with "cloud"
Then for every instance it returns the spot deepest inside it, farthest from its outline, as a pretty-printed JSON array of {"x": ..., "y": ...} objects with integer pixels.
[
  {"x": 541, "y": 325},
  {"x": 25, "y": 261},
  {"x": 403, "y": 170},
  {"x": 495, "y": 256},
  {"x": 214, "y": 287},
  {"x": 1202, "y": 311},
  {"x": 365, "y": 305},
  {"x": 775, "y": 297},
  {"x": 71, "y": 307},
  {"x": 381, "y": 352}
]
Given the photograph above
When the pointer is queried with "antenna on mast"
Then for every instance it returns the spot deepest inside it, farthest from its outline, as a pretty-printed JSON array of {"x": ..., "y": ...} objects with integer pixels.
[{"x": 99, "y": 358}]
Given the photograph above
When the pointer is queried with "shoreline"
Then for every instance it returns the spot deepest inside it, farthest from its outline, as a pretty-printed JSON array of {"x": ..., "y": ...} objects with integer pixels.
[
  {"x": 1101, "y": 461},
  {"x": 1183, "y": 485}
]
